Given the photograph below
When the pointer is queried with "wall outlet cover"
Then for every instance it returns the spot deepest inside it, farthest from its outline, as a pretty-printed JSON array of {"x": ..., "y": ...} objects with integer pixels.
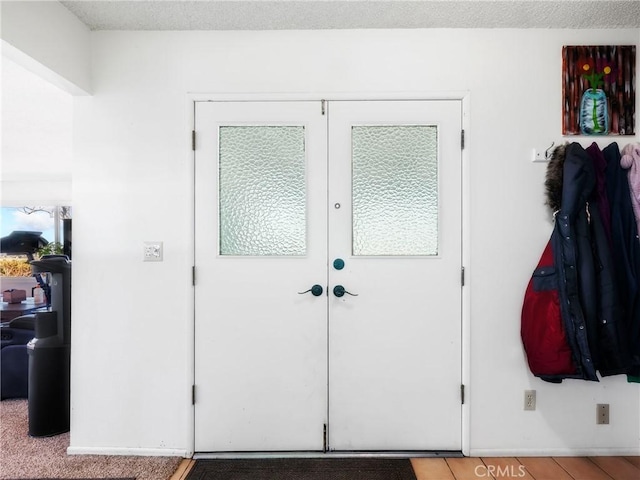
[
  {"x": 529, "y": 399},
  {"x": 602, "y": 414},
  {"x": 152, "y": 251}
]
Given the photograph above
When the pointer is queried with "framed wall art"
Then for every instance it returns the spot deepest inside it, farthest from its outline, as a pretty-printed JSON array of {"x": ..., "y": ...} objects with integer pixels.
[{"x": 598, "y": 90}]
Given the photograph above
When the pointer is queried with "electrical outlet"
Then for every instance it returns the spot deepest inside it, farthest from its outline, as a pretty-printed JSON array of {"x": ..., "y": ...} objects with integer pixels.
[
  {"x": 529, "y": 399},
  {"x": 152, "y": 251},
  {"x": 602, "y": 414}
]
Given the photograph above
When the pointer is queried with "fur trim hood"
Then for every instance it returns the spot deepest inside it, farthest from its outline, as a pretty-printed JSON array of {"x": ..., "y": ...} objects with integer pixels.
[
  {"x": 553, "y": 180},
  {"x": 571, "y": 178}
]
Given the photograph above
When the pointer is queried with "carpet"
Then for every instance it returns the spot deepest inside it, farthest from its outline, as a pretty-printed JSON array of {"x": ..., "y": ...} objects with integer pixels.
[
  {"x": 47, "y": 478},
  {"x": 303, "y": 469},
  {"x": 23, "y": 457}
]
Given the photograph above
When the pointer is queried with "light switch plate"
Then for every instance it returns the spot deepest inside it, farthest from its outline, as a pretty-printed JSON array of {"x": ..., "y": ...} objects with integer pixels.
[{"x": 152, "y": 251}]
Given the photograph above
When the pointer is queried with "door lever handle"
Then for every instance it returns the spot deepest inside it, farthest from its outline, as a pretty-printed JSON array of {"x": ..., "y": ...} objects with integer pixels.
[
  {"x": 339, "y": 291},
  {"x": 316, "y": 290}
]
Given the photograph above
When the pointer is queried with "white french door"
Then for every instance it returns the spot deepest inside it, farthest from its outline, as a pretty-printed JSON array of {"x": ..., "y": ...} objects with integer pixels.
[
  {"x": 261, "y": 354},
  {"x": 328, "y": 257}
]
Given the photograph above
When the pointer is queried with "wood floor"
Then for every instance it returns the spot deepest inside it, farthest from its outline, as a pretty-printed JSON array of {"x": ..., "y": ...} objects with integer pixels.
[
  {"x": 522, "y": 468},
  {"x": 528, "y": 468}
]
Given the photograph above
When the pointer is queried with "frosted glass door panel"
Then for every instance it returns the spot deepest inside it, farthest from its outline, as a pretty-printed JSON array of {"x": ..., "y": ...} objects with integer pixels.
[
  {"x": 395, "y": 190},
  {"x": 262, "y": 190}
]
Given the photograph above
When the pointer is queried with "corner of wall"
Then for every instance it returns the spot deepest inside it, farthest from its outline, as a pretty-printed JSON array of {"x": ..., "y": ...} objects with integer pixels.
[{"x": 50, "y": 41}]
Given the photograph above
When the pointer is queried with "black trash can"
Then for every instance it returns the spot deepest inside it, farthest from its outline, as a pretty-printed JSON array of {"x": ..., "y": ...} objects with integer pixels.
[
  {"x": 50, "y": 352},
  {"x": 49, "y": 362}
]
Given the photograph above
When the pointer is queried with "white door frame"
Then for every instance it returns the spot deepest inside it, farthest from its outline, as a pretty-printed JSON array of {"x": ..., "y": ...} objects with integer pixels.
[{"x": 464, "y": 98}]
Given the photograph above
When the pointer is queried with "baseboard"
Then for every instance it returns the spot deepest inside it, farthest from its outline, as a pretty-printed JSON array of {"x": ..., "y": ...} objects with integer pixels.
[
  {"x": 555, "y": 452},
  {"x": 138, "y": 452}
]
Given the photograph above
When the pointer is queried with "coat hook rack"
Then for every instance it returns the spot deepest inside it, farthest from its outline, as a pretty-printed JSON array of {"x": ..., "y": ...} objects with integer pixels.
[
  {"x": 539, "y": 156},
  {"x": 547, "y": 155}
]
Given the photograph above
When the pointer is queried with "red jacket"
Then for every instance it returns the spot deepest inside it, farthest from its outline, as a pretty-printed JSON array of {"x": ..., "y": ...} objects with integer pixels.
[{"x": 545, "y": 343}]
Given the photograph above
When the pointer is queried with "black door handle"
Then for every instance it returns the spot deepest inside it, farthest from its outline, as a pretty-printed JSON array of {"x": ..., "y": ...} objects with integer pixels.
[
  {"x": 316, "y": 290},
  {"x": 339, "y": 291}
]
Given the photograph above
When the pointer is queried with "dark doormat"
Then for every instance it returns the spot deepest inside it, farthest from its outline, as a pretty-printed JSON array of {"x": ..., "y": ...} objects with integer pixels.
[{"x": 303, "y": 469}]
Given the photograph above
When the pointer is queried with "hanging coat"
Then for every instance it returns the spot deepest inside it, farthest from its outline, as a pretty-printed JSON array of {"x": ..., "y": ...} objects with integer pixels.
[
  {"x": 609, "y": 347},
  {"x": 626, "y": 251},
  {"x": 586, "y": 295},
  {"x": 553, "y": 327}
]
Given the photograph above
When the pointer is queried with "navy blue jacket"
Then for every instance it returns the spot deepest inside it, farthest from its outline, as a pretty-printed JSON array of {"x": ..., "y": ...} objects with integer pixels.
[
  {"x": 626, "y": 252},
  {"x": 570, "y": 241}
]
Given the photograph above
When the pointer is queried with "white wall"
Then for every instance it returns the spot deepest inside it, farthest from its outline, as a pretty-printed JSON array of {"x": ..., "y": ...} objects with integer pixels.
[
  {"x": 37, "y": 129},
  {"x": 45, "y": 59},
  {"x": 133, "y": 321},
  {"x": 48, "y": 39}
]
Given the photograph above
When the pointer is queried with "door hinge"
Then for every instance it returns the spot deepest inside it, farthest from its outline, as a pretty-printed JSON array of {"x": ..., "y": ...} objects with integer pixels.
[
  {"x": 324, "y": 438},
  {"x": 193, "y": 394},
  {"x": 193, "y": 275},
  {"x": 462, "y": 139},
  {"x": 323, "y": 107},
  {"x": 462, "y": 276},
  {"x": 462, "y": 394},
  {"x": 193, "y": 140}
]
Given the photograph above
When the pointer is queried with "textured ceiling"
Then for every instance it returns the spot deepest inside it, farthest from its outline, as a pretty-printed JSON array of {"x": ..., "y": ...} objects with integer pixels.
[{"x": 312, "y": 14}]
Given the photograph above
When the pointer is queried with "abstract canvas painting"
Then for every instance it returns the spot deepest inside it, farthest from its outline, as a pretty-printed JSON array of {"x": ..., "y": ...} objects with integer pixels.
[{"x": 598, "y": 90}]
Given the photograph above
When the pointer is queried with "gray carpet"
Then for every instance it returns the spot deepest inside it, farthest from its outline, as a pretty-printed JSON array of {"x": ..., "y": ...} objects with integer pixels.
[
  {"x": 304, "y": 469},
  {"x": 23, "y": 457}
]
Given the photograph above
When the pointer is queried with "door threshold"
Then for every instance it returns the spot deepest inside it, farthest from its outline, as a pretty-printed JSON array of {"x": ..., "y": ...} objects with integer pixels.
[{"x": 331, "y": 454}]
